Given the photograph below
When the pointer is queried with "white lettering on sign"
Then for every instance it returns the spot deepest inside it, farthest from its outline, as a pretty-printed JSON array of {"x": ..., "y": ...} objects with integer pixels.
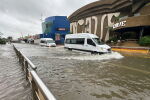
[
  {"x": 86, "y": 25},
  {"x": 102, "y": 25},
  {"x": 81, "y": 22},
  {"x": 73, "y": 27},
  {"x": 122, "y": 23},
  {"x": 61, "y": 29},
  {"x": 96, "y": 22}
]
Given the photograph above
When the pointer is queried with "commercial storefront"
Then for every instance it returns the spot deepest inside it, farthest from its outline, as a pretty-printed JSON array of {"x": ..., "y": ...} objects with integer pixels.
[{"x": 107, "y": 18}]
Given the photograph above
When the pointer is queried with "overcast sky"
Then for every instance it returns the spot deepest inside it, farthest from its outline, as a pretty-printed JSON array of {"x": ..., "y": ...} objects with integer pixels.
[{"x": 23, "y": 16}]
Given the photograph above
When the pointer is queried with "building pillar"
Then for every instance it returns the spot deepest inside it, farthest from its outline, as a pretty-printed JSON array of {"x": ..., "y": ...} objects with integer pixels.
[{"x": 141, "y": 32}]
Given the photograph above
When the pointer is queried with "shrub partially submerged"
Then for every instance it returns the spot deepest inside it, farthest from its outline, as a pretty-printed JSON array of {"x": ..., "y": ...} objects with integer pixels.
[{"x": 145, "y": 41}]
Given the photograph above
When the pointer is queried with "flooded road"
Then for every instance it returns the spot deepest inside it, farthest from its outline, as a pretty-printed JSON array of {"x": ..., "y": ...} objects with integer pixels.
[
  {"x": 13, "y": 84},
  {"x": 73, "y": 75}
]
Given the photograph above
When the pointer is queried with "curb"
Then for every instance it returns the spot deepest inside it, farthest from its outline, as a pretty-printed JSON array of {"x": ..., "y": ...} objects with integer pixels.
[{"x": 143, "y": 50}]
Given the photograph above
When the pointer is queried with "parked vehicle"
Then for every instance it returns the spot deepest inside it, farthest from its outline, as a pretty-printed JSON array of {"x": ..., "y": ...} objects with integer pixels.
[
  {"x": 48, "y": 42},
  {"x": 30, "y": 40},
  {"x": 86, "y": 42}
]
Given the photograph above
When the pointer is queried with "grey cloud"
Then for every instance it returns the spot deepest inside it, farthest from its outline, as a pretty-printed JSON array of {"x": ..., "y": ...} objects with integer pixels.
[{"x": 24, "y": 15}]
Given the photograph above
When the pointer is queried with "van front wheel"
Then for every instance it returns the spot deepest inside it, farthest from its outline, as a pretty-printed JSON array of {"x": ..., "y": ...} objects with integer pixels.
[
  {"x": 93, "y": 52},
  {"x": 70, "y": 49},
  {"x": 100, "y": 53}
]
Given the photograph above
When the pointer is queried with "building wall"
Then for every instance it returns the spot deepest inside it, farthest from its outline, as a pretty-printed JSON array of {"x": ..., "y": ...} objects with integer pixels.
[
  {"x": 99, "y": 25},
  {"x": 145, "y": 10},
  {"x": 135, "y": 21},
  {"x": 56, "y": 27},
  {"x": 51, "y": 25},
  {"x": 99, "y": 17}
]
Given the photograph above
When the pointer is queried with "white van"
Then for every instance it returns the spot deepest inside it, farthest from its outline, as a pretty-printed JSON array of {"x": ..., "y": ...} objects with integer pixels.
[
  {"x": 49, "y": 42},
  {"x": 86, "y": 42}
]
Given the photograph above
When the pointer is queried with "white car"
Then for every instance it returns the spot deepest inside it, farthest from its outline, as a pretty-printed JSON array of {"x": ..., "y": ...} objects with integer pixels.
[
  {"x": 86, "y": 42},
  {"x": 48, "y": 42}
]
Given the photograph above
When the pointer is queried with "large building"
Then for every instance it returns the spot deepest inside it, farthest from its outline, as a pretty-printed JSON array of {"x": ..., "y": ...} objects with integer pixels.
[
  {"x": 107, "y": 18},
  {"x": 56, "y": 27}
]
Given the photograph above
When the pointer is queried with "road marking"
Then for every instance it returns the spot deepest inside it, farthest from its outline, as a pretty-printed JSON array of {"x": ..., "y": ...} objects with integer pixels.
[{"x": 130, "y": 68}]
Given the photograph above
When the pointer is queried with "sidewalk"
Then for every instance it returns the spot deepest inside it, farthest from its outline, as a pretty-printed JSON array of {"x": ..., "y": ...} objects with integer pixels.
[
  {"x": 13, "y": 85},
  {"x": 143, "y": 50}
]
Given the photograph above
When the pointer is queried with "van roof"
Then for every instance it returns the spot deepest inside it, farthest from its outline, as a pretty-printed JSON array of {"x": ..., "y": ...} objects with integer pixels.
[{"x": 81, "y": 35}]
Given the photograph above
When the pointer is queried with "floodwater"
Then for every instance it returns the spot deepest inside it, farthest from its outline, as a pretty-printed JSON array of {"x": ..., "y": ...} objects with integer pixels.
[
  {"x": 73, "y": 75},
  {"x": 13, "y": 84}
]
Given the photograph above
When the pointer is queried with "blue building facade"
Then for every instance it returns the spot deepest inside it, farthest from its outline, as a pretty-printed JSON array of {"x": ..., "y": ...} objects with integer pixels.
[{"x": 55, "y": 27}]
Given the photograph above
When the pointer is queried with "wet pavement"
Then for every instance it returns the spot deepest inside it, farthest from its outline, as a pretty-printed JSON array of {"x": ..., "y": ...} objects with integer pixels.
[
  {"x": 13, "y": 85},
  {"x": 73, "y": 75}
]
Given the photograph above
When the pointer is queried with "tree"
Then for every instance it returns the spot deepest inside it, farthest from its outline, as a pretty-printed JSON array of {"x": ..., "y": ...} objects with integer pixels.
[
  {"x": 9, "y": 38},
  {"x": 2, "y": 40},
  {"x": 1, "y": 34}
]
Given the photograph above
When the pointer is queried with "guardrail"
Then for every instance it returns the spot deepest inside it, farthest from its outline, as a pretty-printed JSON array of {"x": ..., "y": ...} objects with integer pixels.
[{"x": 39, "y": 89}]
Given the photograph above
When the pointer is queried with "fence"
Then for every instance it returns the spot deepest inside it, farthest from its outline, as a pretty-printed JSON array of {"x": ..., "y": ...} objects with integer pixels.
[{"x": 39, "y": 89}]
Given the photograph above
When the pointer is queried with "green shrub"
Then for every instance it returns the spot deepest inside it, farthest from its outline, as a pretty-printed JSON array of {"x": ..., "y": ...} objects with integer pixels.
[
  {"x": 2, "y": 41},
  {"x": 145, "y": 41}
]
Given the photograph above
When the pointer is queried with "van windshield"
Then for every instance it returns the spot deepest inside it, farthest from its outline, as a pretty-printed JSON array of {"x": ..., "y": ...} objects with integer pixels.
[
  {"x": 97, "y": 41},
  {"x": 50, "y": 41}
]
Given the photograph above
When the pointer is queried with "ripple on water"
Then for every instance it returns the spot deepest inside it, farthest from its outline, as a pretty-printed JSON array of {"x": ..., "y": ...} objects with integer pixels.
[
  {"x": 13, "y": 85},
  {"x": 113, "y": 55},
  {"x": 73, "y": 75}
]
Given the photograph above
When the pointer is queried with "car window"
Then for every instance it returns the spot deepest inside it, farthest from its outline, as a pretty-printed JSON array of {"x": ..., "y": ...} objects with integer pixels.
[
  {"x": 80, "y": 41},
  {"x": 90, "y": 42},
  {"x": 50, "y": 41},
  {"x": 75, "y": 41},
  {"x": 42, "y": 41},
  {"x": 67, "y": 41},
  {"x": 97, "y": 41}
]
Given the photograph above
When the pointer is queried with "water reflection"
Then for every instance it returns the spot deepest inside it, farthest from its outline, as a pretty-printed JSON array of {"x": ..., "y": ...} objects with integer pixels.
[{"x": 13, "y": 85}]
